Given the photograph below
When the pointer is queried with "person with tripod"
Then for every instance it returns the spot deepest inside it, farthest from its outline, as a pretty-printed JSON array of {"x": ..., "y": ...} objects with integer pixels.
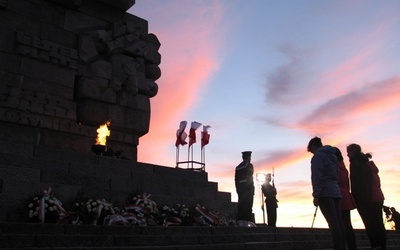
[{"x": 271, "y": 203}]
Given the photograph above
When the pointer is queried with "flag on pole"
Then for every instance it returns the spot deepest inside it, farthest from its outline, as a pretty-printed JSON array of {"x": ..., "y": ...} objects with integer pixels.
[
  {"x": 205, "y": 136},
  {"x": 192, "y": 133},
  {"x": 181, "y": 134}
]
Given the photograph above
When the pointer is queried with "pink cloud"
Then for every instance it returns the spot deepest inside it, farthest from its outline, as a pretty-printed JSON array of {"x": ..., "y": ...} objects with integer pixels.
[
  {"x": 189, "y": 48},
  {"x": 339, "y": 111}
]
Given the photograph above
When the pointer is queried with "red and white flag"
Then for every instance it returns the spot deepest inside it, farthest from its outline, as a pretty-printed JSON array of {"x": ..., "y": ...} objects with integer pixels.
[
  {"x": 181, "y": 134},
  {"x": 192, "y": 132},
  {"x": 205, "y": 136}
]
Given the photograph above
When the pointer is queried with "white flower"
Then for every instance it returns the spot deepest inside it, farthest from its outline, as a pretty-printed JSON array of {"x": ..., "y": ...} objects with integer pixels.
[
  {"x": 35, "y": 213},
  {"x": 30, "y": 213},
  {"x": 51, "y": 209},
  {"x": 90, "y": 210},
  {"x": 30, "y": 205},
  {"x": 36, "y": 198},
  {"x": 94, "y": 203},
  {"x": 37, "y": 209}
]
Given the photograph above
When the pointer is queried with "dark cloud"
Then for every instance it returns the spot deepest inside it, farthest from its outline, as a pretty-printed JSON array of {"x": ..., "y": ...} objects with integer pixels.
[{"x": 282, "y": 85}]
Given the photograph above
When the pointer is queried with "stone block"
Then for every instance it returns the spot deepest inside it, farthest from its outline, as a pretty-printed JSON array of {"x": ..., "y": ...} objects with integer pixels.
[
  {"x": 129, "y": 120},
  {"x": 67, "y": 141},
  {"x": 153, "y": 72},
  {"x": 61, "y": 177},
  {"x": 10, "y": 79},
  {"x": 147, "y": 87},
  {"x": 59, "y": 36},
  {"x": 17, "y": 241},
  {"x": 6, "y": 40},
  {"x": 87, "y": 49},
  {"x": 128, "y": 138},
  {"x": 77, "y": 22},
  {"x": 37, "y": 10},
  {"x": 92, "y": 113},
  {"x": 16, "y": 148},
  {"x": 123, "y": 5},
  {"x": 91, "y": 88},
  {"x": 74, "y": 4},
  {"x": 98, "y": 9},
  {"x": 14, "y": 21},
  {"x": 10, "y": 63},
  {"x": 99, "y": 68},
  {"x": 48, "y": 72},
  {"x": 136, "y": 24},
  {"x": 17, "y": 184},
  {"x": 3, "y": 3},
  {"x": 56, "y": 155},
  {"x": 22, "y": 136}
]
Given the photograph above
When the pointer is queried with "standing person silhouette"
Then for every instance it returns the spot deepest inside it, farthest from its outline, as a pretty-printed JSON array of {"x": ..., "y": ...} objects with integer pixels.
[
  {"x": 245, "y": 188},
  {"x": 347, "y": 203},
  {"x": 367, "y": 193},
  {"x": 326, "y": 191},
  {"x": 271, "y": 202}
]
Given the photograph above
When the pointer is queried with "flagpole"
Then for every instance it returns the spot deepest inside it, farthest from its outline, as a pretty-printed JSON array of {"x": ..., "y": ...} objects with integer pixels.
[
  {"x": 204, "y": 158},
  {"x": 187, "y": 166},
  {"x": 192, "y": 156},
  {"x": 177, "y": 155},
  {"x": 201, "y": 153}
]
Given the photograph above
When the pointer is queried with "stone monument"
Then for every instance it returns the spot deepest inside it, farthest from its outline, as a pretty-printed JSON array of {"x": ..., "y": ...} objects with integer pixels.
[{"x": 68, "y": 66}]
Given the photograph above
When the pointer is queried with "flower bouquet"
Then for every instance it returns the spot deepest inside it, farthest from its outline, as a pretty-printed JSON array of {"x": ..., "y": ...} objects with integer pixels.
[
  {"x": 45, "y": 207},
  {"x": 141, "y": 211},
  {"x": 177, "y": 215},
  {"x": 95, "y": 211},
  {"x": 212, "y": 218}
]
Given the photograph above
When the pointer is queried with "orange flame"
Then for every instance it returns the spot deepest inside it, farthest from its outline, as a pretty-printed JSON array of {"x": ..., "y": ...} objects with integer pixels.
[{"x": 102, "y": 133}]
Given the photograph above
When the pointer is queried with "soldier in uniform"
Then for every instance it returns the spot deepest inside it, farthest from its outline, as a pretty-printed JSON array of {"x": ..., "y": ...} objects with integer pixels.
[
  {"x": 271, "y": 202},
  {"x": 245, "y": 188}
]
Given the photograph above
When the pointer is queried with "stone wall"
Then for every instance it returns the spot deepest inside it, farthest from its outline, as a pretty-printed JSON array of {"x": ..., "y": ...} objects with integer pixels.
[
  {"x": 68, "y": 66},
  {"x": 25, "y": 171}
]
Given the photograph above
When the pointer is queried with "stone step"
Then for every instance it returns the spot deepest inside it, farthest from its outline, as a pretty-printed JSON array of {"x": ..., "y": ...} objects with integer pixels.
[{"x": 53, "y": 236}]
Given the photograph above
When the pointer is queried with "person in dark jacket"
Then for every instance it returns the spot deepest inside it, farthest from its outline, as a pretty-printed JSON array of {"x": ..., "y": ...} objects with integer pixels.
[
  {"x": 326, "y": 191},
  {"x": 245, "y": 188},
  {"x": 347, "y": 203},
  {"x": 367, "y": 193}
]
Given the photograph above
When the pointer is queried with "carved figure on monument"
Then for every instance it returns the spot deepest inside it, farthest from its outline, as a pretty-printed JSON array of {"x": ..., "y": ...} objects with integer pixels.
[{"x": 119, "y": 67}]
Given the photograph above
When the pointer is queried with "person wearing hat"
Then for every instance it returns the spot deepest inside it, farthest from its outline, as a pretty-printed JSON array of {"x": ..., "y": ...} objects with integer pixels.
[
  {"x": 245, "y": 188},
  {"x": 269, "y": 191}
]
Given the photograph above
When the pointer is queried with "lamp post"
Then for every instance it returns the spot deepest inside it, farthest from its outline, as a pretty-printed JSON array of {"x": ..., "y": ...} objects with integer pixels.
[{"x": 260, "y": 177}]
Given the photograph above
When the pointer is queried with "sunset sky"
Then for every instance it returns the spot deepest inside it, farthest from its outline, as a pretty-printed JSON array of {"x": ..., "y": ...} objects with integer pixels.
[{"x": 267, "y": 76}]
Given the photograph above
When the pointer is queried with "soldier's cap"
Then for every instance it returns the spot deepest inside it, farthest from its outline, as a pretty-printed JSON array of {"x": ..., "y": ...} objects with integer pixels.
[{"x": 246, "y": 153}]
